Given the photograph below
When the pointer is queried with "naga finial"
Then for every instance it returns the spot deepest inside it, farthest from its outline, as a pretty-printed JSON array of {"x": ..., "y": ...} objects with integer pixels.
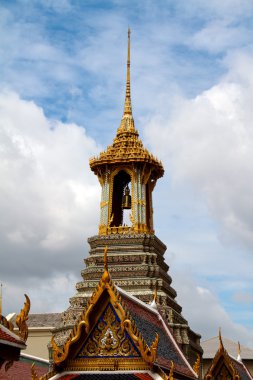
[
  {"x": 196, "y": 366},
  {"x": 105, "y": 258},
  {"x": 106, "y": 276},
  {"x": 171, "y": 374},
  {"x": 22, "y": 318},
  {"x": 153, "y": 303},
  {"x": 154, "y": 345},
  {"x": 33, "y": 372},
  {"x": 220, "y": 339},
  {"x": 155, "y": 292}
]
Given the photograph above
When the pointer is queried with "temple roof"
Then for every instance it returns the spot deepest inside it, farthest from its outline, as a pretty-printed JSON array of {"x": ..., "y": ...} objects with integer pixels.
[
  {"x": 241, "y": 369},
  {"x": 118, "y": 332},
  {"x": 226, "y": 365},
  {"x": 148, "y": 319},
  {"x": 45, "y": 320},
  {"x": 8, "y": 338},
  {"x": 108, "y": 376},
  {"x": 127, "y": 148},
  {"x": 210, "y": 347},
  {"x": 21, "y": 369}
]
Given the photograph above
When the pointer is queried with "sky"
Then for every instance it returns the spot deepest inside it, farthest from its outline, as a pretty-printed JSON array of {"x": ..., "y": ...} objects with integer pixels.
[{"x": 62, "y": 84}]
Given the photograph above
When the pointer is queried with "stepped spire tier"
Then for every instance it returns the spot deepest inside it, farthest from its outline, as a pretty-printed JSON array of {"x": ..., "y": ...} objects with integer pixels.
[{"x": 128, "y": 173}]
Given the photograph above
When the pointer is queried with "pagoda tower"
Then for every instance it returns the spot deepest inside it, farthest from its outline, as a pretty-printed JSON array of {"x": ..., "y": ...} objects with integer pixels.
[{"x": 127, "y": 173}]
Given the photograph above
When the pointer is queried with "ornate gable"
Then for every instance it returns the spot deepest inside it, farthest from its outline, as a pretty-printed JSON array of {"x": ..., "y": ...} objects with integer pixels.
[
  {"x": 224, "y": 367},
  {"x": 105, "y": 337}
]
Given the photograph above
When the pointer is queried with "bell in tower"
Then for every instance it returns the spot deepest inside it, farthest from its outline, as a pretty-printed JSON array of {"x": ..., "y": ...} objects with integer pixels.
[
  {"x": 126, "y": 201},
  {"x": 125, "y": 161}
]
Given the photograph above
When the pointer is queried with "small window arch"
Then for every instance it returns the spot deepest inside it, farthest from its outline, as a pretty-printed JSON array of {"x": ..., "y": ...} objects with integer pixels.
[{"x": 121, "y": 187}]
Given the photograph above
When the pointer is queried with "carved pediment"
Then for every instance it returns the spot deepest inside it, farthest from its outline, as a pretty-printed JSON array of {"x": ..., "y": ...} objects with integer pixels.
[
  {"x": 108, "y": 339},
  {"x": 105, "y": 337}
]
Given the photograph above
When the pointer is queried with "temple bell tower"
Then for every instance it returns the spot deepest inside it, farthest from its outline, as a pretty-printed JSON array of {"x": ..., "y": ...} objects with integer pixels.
[{"x": 127, "y": 173}]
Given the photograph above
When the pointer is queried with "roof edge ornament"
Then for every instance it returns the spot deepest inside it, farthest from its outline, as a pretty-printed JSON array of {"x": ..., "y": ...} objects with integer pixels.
[
  {"x": 106, "y": 276},
  {"x": 196, "y": 367},
  {"x": 22, "y": 318},
  {"x": 220, "y": 339},
  {"x": 153, "y": 303},
  {"x": 239, "y": 358}
]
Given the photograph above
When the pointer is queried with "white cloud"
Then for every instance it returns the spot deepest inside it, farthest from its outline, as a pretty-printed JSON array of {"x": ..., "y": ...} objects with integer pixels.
[
  {"x": 205, "y": 313},
  {"x": 208, "y": 142},
  {"x": 49, "y": 198},
  {"x": 47, "y": 193},
  {"x": 208, "y": 10},
  {"x": 220, "y": 35}
]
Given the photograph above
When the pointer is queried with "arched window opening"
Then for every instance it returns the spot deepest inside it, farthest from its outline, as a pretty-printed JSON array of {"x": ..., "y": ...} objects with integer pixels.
[{"x": 121, "y": 199}]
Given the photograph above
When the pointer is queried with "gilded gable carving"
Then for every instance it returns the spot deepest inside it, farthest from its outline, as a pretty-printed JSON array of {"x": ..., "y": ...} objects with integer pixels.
[{"x": 108, "y": 338}]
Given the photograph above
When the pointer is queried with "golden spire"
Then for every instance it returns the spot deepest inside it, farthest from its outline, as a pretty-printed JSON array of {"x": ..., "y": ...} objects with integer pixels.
[
  {"x": 127, "y": 121},
  {"x": 128, "y": 105}
]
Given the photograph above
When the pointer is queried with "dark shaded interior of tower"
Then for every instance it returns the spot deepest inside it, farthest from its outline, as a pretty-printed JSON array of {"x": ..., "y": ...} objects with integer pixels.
[{"x": 120, "y": 184}]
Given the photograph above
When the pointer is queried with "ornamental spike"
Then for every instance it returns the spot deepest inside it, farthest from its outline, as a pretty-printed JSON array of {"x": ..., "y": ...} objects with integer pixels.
[{"x": 128, "y": 104}]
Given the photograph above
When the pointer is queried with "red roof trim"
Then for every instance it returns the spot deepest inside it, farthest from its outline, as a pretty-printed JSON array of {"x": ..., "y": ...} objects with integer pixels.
[{"x": 9, "y": 338}]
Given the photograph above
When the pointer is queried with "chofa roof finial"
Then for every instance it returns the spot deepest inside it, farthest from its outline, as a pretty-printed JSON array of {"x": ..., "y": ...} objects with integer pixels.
[
  {"x": 239, "y": 352},
  {"x": 106, "y": 276},
  {"x": 220, "y": 339},
  {"x": 153, "y": 303}
]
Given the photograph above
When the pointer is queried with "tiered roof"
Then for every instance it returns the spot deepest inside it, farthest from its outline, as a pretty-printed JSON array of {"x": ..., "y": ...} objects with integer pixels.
[{"x": 127, "y": 147}]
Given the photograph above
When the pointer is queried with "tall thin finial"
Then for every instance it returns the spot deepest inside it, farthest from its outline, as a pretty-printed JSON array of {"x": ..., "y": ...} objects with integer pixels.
[
  {"x": 220, "y": 339},
  {"x": 239, "y": 352},
  {"x": 1, "y": 298},
  {"x": 128, "y": 105}
]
